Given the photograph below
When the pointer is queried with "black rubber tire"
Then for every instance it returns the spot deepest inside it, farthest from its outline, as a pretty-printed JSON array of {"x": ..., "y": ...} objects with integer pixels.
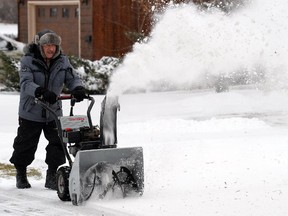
[{"x": 62, "y": 179}]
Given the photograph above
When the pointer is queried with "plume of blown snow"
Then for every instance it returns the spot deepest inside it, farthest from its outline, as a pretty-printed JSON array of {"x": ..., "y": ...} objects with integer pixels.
[{"x": 187, "y": 44}]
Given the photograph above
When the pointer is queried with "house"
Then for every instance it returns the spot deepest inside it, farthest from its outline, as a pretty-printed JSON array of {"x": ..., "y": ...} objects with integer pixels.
[{"x": 89, "y": 29}]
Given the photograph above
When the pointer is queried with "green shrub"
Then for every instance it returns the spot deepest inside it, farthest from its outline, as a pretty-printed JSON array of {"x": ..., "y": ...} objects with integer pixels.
[
  {"x": 95, "y": 74},
  {"x": 9, "y": 76}
]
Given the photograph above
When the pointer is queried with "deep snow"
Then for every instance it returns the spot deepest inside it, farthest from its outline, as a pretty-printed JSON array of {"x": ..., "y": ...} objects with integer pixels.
[{"x": 204, "y": 153}]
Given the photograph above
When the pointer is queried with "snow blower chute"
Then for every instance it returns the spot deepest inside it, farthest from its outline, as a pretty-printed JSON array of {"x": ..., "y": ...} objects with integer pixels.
[{"x": 99, "y": 167}]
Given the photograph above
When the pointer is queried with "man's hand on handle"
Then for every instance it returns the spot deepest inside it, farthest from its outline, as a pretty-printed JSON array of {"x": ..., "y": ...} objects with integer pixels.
[{"x": 79, "y": 93}]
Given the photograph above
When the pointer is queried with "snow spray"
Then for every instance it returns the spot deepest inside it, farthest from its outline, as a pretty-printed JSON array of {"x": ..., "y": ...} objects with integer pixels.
[
  {"x": 189, "y": 46},
  {"x": 110, "y": 106}
]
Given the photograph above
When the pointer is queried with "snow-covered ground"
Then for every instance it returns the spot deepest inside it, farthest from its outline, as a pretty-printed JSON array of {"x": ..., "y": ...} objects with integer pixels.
[
  {"x": 9, "y": 29},
  {"x": 204, "y": 153}
]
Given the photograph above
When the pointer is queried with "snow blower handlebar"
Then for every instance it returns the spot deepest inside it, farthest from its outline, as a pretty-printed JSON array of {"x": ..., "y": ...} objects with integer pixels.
[
  {"x": 44, "y": 105},
  {"x": 74, "y": 100}
]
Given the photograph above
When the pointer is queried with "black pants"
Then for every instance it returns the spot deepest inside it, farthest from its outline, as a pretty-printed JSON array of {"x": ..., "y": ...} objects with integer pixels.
[{"x": 27, "y": 139}]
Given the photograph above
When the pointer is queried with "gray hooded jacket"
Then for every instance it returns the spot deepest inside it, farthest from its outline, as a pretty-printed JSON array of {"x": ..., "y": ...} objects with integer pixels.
[{"x": 35, "y": 73}]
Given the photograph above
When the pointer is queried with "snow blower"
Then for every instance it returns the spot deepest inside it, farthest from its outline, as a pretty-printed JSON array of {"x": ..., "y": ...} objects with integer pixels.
[{"x": 97, "y": 165}]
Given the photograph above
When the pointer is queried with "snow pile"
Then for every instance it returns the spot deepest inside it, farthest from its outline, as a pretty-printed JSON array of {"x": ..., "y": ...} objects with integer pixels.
[
  {"x": 8, "y": 33},
  {"x": 17, "y": 45}
]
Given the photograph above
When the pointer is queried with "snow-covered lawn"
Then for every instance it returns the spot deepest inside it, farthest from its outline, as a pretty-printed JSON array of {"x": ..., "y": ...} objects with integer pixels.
[{"x": 204, "y": 154}]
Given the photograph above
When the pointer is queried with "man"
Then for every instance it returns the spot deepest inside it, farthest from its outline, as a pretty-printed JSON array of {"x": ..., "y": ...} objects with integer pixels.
[{"x": 43, "y": 73}]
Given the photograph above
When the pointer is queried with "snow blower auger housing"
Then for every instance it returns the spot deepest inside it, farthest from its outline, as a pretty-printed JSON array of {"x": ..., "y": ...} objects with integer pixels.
[{"x": 98, "y": 167}]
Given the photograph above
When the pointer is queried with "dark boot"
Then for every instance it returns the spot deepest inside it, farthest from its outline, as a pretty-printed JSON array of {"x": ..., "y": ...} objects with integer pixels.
[
  {"x": 51, "y": 180},
  {"x": 21, "y": 178}
]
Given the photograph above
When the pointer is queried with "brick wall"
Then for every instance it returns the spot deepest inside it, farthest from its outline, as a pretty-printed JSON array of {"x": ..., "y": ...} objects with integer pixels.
[
  {"x": 87, "y": 38},
  {"x": 22, "y": 23}
]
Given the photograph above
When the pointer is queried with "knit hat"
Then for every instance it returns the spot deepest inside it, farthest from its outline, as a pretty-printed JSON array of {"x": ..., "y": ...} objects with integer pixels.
[{"x": 48, "y": 36}]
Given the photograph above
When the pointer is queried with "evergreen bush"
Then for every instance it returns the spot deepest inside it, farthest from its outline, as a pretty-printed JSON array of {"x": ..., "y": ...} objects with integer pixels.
[
  {"x": 9, "y": 76},
  {"x": 95, "y": 74}
]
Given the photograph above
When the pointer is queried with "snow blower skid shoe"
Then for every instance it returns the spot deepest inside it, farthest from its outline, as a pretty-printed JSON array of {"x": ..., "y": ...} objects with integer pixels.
[{"x": 99, "y": 166}]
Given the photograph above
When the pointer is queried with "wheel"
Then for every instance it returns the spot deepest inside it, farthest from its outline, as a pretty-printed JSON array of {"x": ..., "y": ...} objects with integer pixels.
[{"x": 62, "y": 178}]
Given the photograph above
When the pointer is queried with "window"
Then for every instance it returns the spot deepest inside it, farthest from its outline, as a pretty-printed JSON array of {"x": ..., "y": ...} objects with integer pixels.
[
  {"x": 53, "y": 12},
  {"x": 41, "y": 12},
  {"x": 65, "y": 12}
]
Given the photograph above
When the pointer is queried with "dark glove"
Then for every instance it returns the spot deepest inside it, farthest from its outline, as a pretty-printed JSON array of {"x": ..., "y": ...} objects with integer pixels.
[
  {"x": 47, "y": 95},
  {"x": 79, "y": 93}
]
